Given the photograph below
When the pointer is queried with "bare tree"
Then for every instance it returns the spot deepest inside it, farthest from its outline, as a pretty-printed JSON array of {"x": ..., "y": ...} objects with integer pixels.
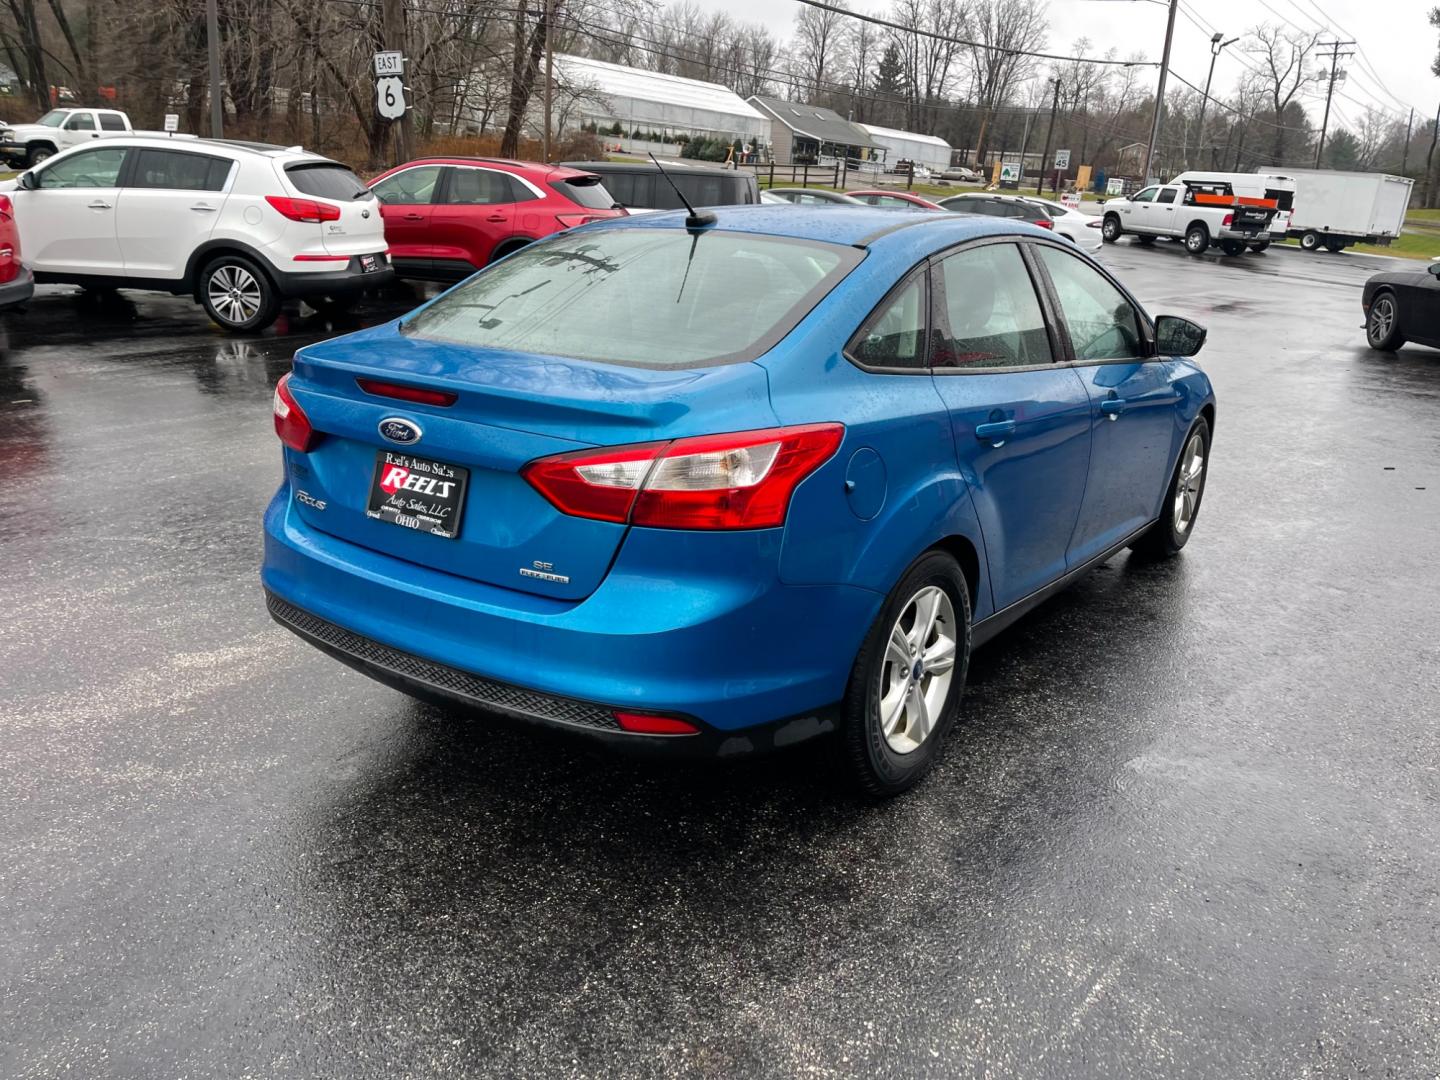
[
  {"x": 1007, "y": 28},
  {"x": 1282, "y": 53}
]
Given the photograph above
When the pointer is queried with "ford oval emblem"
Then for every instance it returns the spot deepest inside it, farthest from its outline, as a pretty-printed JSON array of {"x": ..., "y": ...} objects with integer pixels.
[{"x": 400, "y": 431}]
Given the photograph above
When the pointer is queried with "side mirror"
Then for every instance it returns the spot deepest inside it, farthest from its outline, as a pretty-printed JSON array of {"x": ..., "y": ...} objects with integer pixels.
[
  {"x": 1175, "y": 336},
  {"x": 1434, "y": 268},
  {"x": 28, "y": 180}
]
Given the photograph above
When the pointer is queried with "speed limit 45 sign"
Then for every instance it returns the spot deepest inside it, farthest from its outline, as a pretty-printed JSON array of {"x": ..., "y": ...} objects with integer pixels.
[{"x": 390, "y": 97}]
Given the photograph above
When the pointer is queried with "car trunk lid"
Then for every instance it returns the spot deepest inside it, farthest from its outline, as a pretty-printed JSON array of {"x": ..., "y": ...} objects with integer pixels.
[{"x": 505, "y": 409}]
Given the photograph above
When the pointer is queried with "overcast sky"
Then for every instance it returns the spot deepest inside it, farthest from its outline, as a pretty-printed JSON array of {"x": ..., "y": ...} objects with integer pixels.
[{"x": 1397, "y": 40}]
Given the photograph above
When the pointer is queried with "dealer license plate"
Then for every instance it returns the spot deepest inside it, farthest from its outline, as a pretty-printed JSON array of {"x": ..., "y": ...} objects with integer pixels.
[{"x": 418, "y": 493}]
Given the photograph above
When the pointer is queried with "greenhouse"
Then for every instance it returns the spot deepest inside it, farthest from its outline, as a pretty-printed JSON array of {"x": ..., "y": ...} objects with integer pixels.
[
  {"x": 911, "y": 146},
  {"x": 647, "y": 110}
]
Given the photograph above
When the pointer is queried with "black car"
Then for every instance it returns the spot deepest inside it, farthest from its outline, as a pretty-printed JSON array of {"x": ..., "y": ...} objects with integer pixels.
[
  {"x": 1401, "y": 306},
  {"x": 638, "y": 185}
]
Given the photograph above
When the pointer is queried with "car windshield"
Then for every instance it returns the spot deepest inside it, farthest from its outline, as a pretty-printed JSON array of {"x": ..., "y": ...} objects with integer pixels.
[
  {"x": 54, "y": 118},
  {"x": 657, "y": 298}
]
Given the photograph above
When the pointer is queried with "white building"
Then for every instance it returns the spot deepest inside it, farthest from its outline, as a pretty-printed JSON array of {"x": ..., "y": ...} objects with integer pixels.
[
  {"x": 593, "y": 92},
  {"x": 911, "y": 146}
]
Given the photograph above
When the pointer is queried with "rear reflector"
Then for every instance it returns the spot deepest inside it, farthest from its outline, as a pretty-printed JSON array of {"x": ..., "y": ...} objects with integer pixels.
[
  {"x": 741, "y": 480},
  {"x": 320, "y": 258},
  {"x": 303, "y": 209},
  {"x": 407, "y": 393},
  {"x": 648, "y": 724},
  {"x": 291, "y": 423}
]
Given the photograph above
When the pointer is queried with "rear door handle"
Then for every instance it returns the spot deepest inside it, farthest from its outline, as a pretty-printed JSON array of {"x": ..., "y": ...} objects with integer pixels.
[
  {"x": 497, "y": 217},
  {"x": 997, "y": 431},
  {"x": 414, "y": 217},
  {"x": 205, "y": 208},
  {"x": 1113, "y": 407},
  {"x": 100, "y": 204}
]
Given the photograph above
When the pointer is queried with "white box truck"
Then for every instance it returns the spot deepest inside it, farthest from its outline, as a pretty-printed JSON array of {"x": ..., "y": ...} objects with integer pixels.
[{"x": 1336, "y": 209}]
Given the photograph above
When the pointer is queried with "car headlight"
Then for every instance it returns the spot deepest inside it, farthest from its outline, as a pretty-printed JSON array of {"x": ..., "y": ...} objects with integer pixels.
[{"x": 6, "y": 134}]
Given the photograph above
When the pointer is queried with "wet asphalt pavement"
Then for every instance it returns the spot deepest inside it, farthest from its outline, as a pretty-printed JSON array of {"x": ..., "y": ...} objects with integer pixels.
[{"x": 1190, "y": 827}]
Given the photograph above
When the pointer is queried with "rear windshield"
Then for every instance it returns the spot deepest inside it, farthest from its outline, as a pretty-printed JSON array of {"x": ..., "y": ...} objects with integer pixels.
[
  {"x": 327, "y": 181},
  {"x": 656, "y": 298},
  {"x": 586, "y": 191}
]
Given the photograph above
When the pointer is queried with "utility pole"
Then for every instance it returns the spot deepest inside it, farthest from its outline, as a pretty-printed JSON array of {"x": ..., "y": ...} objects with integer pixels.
[
  {"x": 1215, "y": 46},
  {"x": 1405, "y": 152},
  {"x": 392, "y": 16},
  {"x": 1334, "y": 48},
  {"x": 1024, "y": 142},
  {"x": 1049, "y": 133},
  {"x": 1429, "y": 157},
  {"x": 212, "y": 39},
  {"x": 549, "y": 73},
  {"x": 1160, "y": 91}
]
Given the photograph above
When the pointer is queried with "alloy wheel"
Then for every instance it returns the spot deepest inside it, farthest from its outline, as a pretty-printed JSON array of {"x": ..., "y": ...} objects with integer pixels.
[
  {"x": 1382, "y": 319},
  {"x": 1187, "y": 487},
  {"x": 918, "y": 669},
  {"x": 234, "y": 294}
]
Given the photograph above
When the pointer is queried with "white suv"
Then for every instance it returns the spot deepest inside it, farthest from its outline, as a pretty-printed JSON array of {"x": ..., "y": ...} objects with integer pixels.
[{"x": 239, "y": 226}]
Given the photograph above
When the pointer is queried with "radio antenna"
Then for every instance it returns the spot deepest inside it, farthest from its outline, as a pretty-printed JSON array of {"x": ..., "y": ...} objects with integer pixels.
[{"x": 694, "y": 220}]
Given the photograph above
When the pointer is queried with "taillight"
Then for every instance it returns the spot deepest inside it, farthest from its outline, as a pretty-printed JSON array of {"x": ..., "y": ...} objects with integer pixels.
[
  {"x": 741, "y": 480},
  {"x": 1227, "y": 220},
  {"x": 7, "y": 208},
  {"x": 650, "y": 724},
  {"x": 303, "y": 209},
  {"x": 1045, "y": 223},
  {"x": 570, "y": 221},
  {"x": 291, "y": 423},
  {"x": 407, "y": 393}
]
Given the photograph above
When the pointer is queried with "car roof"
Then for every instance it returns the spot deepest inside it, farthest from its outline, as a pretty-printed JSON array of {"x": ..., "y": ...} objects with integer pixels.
[
  {"x": 647, "y": 166},
  {"x": 504, "y": 163},
  {"x": 181, "y": 141},
  {"x": 854, "y": 226}
]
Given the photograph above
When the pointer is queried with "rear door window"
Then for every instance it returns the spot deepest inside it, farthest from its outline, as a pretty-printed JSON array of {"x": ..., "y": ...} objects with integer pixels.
[
  {"x": 327, "y": 180},
  {"x": 632, "y": 189},
  {"x": 717, "y": 298},
  {"x": 478, "y": 187},
  {"x": 179, "y": 171},
  {"x": 987, "y": 313},
  {"x": 110, "y": 121}
]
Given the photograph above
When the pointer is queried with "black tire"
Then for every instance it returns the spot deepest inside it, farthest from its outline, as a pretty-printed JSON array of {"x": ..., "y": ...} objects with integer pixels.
[
  {"x": 1169, "y": 534},
  {"x": 1310, "y": 240},
  {"x": 1259, "y": 246},
  {"x": 1335, "y": 246},
  {"x": 1110, "y": 229},
  {"x": 871, "y": 759},
  {"x": 1382, "y": 324},
  {"x": 1197, "y": 239},
  {"x": 1232, "y": 247},
  {"x": 506, "y": 249},
  {"x": 237, "y": 295},
  {"x": 1146, "y": 241},
  {"x": 36, "y": 154}
]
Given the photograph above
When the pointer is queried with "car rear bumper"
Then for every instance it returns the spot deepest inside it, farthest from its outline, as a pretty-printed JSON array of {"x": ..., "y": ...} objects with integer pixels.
[
  {"x": 18, "y": 290},
  {"x": 341, "y": 282},
  {"x": 711, "y": 635}
]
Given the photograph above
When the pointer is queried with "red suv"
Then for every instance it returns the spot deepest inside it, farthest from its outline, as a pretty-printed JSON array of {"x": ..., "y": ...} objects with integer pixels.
[
  {"x": 446, "y": 217},
  {"x": 17, "y": 283}
]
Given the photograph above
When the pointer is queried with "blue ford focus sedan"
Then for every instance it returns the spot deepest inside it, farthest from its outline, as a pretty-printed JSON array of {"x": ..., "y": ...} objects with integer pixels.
[{"x": 723, "y": 483}]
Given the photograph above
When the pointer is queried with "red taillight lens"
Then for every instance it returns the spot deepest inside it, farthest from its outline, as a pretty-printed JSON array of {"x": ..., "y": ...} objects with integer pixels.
[
  {"x": 303, "y": 209},
  {"x": 407, "y": 393},
  {"x": 7, "y": 208},
  {"x": 742, "y": 480},
  {"x": 1045, "y": 223},
  {"x": 1227, "y": 220},
  {"x": 291, "y": 423},
  {"x": 649, "y": 724},
  {"x": 570, "y": 221}
]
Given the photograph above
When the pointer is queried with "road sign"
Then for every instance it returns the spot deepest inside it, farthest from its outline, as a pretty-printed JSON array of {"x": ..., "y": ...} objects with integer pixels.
[
  {"x": 1062, "y": 159},
  {"x": 390, "y": 97},
  {"x": 1009, "y": 172},
  {"x": 172, "y": 121},
  {"x": 389, "y": 63},
  {"x": 1070, "y": 199}
]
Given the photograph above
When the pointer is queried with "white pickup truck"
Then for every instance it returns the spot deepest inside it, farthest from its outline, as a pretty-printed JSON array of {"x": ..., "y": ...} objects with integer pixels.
[
  {"x": 24, "y": 145},
  {"x": 1200, "y": 214}
]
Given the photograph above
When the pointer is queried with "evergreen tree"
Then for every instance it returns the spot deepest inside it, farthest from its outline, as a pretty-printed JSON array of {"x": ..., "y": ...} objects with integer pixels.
[{"x": 889, "y": 86}]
